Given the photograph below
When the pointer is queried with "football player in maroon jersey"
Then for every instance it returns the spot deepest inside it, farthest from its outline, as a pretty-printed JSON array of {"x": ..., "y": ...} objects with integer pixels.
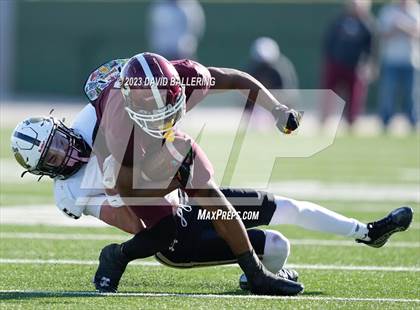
[{"x": 136, "y": 115}]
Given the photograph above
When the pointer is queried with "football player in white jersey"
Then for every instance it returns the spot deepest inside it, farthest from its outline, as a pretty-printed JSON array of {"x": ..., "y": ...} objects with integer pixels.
[{"x": 45, "y": 146}]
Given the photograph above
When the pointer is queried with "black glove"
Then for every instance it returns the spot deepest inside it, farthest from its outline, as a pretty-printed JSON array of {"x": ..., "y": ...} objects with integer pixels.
[{"x": 286, "y": 121}]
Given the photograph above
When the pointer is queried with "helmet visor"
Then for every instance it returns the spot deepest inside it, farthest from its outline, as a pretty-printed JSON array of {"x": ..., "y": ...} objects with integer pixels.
[{"x": 57, "y": 150}]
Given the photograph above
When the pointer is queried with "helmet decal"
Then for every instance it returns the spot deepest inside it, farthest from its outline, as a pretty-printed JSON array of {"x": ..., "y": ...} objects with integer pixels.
[
  {"x": 27, "y": 138},
  {"x": 20, "y": 159}
]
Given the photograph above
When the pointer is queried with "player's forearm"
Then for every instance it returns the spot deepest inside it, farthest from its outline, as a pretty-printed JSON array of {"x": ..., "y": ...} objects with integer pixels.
[
  {"x": 226, "y": 78},
  {"x": 121, "y": 218}
]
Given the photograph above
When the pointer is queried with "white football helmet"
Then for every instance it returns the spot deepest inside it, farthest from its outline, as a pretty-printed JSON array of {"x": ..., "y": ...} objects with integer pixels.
[{"x": 45, "y": 146}]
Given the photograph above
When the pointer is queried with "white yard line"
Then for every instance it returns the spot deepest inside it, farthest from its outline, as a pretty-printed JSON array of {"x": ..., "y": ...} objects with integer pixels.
[
  {"x": 44, "y": 215},
  {"x": 51, "y": 216},
  {"x": 308, "y": 189},
  {"x": 157, "y": 264},
  {"x": 206, "y": 296},
  {"x": 355, "y": 268},
  {"x": 60, "y": 236},
  {"x": 25, "y": 261},
  {"x": 345, "y": 243},
  {"x": 13, "y": 112},
  {"x": 299, "y": 189},
  {"x": 10, "y": 173},
  {"x": 109, "y": 237}
]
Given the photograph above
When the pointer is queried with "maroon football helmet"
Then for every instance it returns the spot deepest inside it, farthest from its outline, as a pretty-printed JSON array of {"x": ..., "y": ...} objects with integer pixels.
[{"x": 153, "y": 94}]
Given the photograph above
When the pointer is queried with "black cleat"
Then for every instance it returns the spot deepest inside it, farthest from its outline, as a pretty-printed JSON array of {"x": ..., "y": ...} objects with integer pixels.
[
  {"x": 380, "y": 231},
  {"x": 112, "y": 263},
  {"x": 263, "y": 282},
  {"x": 266, "y": 283},
  {"x": 289, "y": 274}
]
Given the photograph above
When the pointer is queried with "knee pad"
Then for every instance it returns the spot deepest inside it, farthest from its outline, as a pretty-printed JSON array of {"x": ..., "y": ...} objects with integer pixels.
[{"x": 276, "y": 250}]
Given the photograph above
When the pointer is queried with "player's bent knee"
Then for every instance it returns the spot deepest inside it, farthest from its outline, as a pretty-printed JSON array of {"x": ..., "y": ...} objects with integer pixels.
[
  {"x": 278, "y": 242},
  {"x": 276, "y": 250}
]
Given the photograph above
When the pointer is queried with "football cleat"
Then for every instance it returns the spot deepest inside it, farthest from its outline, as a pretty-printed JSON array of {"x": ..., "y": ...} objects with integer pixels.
[
  {"x": 263, "y": 282},
  {"x": 380, "y": 231},
  {"x": 112, "y": 264},
  {"x": 289, "y": 274}
]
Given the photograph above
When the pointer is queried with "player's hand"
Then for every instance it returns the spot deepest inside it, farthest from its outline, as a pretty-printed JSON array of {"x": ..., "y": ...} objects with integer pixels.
[{"x": 287, "y": 121}]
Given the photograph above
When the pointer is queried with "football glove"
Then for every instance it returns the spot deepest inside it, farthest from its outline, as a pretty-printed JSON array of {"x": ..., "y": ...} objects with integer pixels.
[{"x": 286, "y": 121}]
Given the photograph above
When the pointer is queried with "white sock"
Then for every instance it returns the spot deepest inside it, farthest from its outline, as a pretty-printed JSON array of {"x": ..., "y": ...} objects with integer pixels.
[
  {"x": 314, "y": 217},
  {"x": 276, "y": 251}
]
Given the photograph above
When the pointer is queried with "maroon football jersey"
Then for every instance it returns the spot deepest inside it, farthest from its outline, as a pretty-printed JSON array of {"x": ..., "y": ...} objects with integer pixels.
[{"x": 118, "y": 135}]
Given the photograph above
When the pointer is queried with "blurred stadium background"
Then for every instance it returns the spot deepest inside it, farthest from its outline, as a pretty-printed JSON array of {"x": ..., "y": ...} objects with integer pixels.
[
  {"x": 50, "y": 46},
  {"x": 56, "y": 43}
]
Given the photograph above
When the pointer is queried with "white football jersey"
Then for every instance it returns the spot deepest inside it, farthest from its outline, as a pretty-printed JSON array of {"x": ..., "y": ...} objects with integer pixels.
[
  {"x": 85, "y": 122},
  {"x": 82, "y": 193}
]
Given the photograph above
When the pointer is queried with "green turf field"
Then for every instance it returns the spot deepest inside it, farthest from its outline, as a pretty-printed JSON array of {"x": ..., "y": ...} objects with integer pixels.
[{"x": 51, "y": 267}]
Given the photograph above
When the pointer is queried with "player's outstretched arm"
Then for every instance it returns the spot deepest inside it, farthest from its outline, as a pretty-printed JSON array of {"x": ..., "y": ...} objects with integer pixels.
[{"x": 226, "y": 79}]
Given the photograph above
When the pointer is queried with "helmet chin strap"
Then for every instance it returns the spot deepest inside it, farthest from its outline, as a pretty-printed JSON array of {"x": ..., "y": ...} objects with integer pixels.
[
  {"x": 23, "y": 173},
  {"x": 26, "y": 171}
]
